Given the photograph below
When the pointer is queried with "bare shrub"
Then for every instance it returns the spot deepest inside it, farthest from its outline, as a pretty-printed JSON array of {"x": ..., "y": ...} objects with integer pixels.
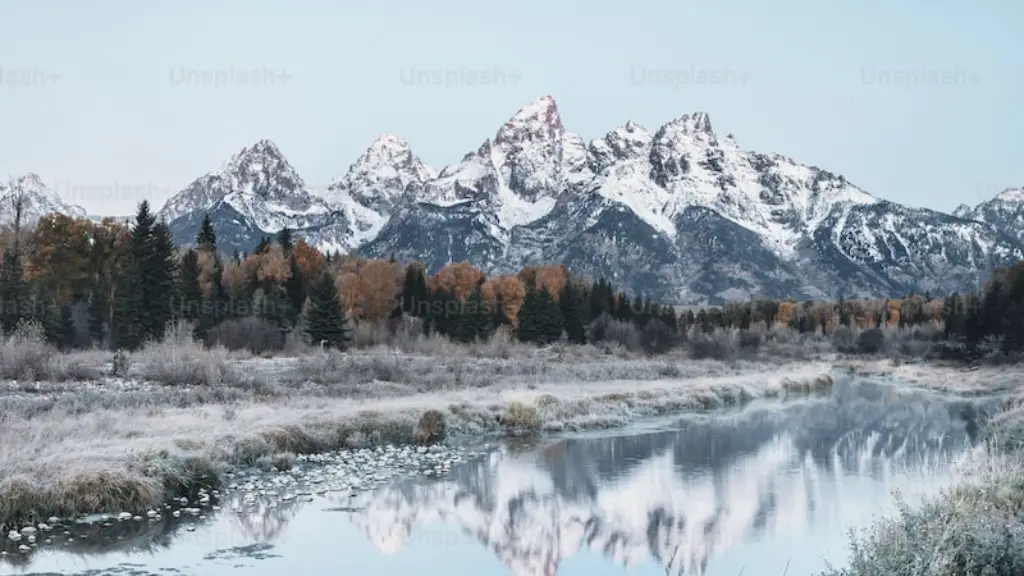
[
  {"x": 656, "y": 337},
  {"x": 622, "y": 333},
  {"x": 25, "y": 354},
  {"x": 519, "y": 415},
  {"x": 871, "y": 341},
  {"x": 719, "y": 345},
  {"x": 750, "y": 341},
  {"x": 844, "y": 339},
  {"x": 178, "y": 360},
  {"x": 431, "y": 428},
  {"x": 251, "y": 333}
]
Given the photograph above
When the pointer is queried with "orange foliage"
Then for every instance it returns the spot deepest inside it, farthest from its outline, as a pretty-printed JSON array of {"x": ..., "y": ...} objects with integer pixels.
[
  {"x": 785, "y": 315},
  {"x": 459, "y": 277},
  {"x": 378, "y": 289},
  {"x": 309, "y": 259},
  {"x": 553, "y": 278},
  {"x": 61, "y": 254},
  {"x": 234, "y": 276},
  {"x": 271, "y": 265},
  {"x": 511, "y": 291},
  {"x": 347, "y": 284}
]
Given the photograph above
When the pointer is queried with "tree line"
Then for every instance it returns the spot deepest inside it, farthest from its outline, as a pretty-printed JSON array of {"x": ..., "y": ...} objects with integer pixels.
[{"x": 118, "y": 285}]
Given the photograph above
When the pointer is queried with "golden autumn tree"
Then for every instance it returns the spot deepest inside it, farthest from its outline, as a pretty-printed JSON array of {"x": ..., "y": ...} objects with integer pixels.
[
  {"x": 378, "y": 289},
  {"x": 349, "y": 290},
  {"x": 59, "y": 257},
  {"x": 786, "y": 311},
  {"x": 509, "y": 290},
  {"x": 552, "y": 278},
  {"x": 310, "y": 261},
  {"x": 461, "y": 278}
]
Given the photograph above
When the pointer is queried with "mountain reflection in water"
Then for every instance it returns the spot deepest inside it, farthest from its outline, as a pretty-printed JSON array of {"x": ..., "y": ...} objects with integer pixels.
[{"x": 681, "y": 497}]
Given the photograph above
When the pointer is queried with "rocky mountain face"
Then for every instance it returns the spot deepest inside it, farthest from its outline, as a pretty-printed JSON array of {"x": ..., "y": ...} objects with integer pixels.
[
  {"x": 37, "y": 201},
  {"x": 1005, "y": 212},
  {"x": 680, "y": 498},
  {"x": 681, "y": 214}
]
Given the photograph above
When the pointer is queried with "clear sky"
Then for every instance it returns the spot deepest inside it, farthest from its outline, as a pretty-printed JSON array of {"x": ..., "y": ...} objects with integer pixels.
[{"x": 915, "y": 101}]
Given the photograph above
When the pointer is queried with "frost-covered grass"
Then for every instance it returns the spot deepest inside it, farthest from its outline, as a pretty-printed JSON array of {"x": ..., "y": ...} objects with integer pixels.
[
  {"x": 177, "y": 414},
  {"x": 93, "y": 431},
  {"x": 975, "y": 528}
]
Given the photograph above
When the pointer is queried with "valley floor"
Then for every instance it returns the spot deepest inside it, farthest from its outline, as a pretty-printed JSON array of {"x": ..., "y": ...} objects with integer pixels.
[{"x": 78, "y": 440}]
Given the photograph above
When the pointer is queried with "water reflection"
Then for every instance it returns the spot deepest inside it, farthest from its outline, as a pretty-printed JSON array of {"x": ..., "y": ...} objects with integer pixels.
[{"x": 681, "y": 497}]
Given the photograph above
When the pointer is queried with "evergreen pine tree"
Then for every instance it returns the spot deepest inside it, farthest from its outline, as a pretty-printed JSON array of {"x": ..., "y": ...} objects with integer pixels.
[
  {"x": 126, "y": 329},
  {"x": 98, "y": 310},
  {"x": 14, "y": 292},
  {"x": 1013, "y": 316},
  {"x": 325, "y": 316},
  {"x": 215, "y": 306},
  {"x": 159, "y": 288},
  {"x": 991, "y": 310},
  {"x": 295, "y": 289},
  {"x": 475, "y": 319},
  {"x": 540, "y": 321},
  {"x": 284, "y": 239},
  {"x": 571, "y": 308},
  {"x": 190, "y": 293},
  {"x": 415, "y": 294},
  {"x": 952, "y": 317},
  {"x": 206, "y": 239}
]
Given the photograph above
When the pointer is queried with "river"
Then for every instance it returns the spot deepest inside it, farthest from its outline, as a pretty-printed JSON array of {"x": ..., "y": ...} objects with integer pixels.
[{"x": 770, "y": 489}]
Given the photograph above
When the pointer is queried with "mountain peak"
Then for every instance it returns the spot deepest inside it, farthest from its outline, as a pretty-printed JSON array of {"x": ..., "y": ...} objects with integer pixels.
[
  {"x": 1011, "y": 195},
  {"x": 39, "y": 200},
  {"x": 536, "y": 120},
  {"x": 698, "y": 122}
]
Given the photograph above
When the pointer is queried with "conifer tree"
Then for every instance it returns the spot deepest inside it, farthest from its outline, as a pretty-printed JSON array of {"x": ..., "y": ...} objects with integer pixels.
[
  {"x": 295, "y": 289},
  {"x": 475, "y": 319},
  {"x": 1013, "y": 317},
  {"x": 540, "y": 321},
  {"x": 325, "y": 316},
  {"x": 415, "y": 295},
  {"x": 991, "y": 309},
  {"x": 206, "y": 239},
  {"x": 159, "y": 289},
  {"x": 284, "y": 239},
  {"x": 571, "y": 308},
  {"x": 14, "y": 292},
  {"x": 190, "y": 293}
]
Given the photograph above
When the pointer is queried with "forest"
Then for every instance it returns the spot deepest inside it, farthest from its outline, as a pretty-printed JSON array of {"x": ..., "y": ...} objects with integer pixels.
[{"x": 117, "y": 285}]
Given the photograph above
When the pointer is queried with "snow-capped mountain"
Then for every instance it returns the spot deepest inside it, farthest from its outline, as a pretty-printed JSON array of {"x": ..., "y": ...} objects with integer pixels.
[
  {"x": 680, "y": 498},
  {"x": 1005, "y": 212},
  {"x": 681, "y": 214},
  {"x": 37, "y": 201},
  {"x": 387, "y": 176},
  {"x": 256, "y": 193}
]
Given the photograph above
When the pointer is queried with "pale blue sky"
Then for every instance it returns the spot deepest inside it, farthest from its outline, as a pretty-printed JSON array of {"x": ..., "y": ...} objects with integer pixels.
[{"x": 92, "y": 97}]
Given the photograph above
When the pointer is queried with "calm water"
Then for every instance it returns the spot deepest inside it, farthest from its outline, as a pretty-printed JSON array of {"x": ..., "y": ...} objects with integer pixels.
[{"x": 751, "y": 492}]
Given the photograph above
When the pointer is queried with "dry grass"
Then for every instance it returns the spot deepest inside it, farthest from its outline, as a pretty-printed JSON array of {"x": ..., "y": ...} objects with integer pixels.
[{"x": 74, "y": 448}]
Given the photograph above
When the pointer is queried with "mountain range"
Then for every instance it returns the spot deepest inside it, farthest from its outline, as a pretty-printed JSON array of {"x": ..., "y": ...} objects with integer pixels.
[{"x": 681, "y": 214}]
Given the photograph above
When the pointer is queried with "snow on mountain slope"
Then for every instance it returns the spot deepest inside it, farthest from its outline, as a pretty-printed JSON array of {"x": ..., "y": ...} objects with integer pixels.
[
  {"x": 38, "y": 201},
  {"x": 1004, "y": 212},
  {"x": 521, "y": 172},
  {"x": 387, "y": 176},
  {"x": 685, "y": 164},
  {"x": 682, "y": 497},
  {"x": 260, "y": 190}
]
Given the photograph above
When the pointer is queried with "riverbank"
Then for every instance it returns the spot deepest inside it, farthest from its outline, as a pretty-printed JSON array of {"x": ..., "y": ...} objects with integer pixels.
[
  {"x": 109, "y": 434},
  {"x": 176, "y": 416},
  {"x": 977, "y": 526}
]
